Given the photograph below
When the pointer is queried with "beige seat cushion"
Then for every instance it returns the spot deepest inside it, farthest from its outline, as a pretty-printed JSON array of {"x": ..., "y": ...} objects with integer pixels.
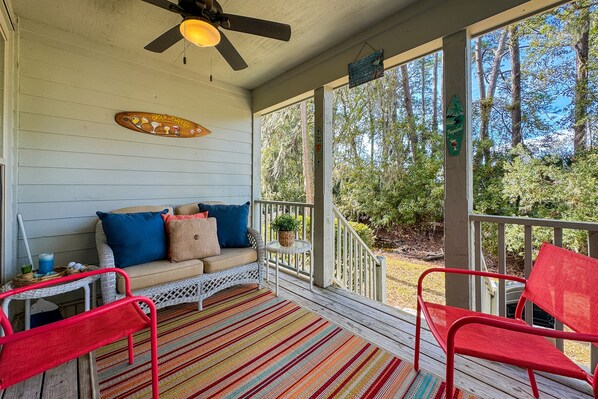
[
  {"x": 229, "y": 257},
  {"x": 192, "y": 239},
  {"x": 193, "y": 207},
  {"x": 158, "y": 272},
  {"x": 145, "y": 208}
]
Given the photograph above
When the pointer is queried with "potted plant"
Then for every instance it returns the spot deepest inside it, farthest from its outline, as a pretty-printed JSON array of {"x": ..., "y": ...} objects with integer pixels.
[
  {"x": 286, "y": 225},
  {"x": 27, "y": 272}
]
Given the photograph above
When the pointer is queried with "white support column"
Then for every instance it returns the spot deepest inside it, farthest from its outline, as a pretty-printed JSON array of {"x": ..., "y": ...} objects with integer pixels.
[
  {"x": 458, "y": 197},
  {"x": 323, "y": 245},
  {"x": 256, "y": 170}
]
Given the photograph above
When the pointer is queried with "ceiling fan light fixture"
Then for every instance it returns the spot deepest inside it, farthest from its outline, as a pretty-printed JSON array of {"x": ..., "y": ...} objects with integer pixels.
[{"x": 199, "y": 32}]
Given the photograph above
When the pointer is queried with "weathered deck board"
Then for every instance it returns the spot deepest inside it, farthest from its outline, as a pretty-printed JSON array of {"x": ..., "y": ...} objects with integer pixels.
[
  {"x": 393, "y": 330},
  {"x": 70, "y": 380}
]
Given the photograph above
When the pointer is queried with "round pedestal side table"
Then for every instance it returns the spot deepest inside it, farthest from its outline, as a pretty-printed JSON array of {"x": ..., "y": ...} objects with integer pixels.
[{"x": 298, "y": 247}]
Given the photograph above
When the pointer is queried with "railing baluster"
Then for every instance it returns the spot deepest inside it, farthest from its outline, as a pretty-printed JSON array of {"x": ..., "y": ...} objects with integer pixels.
[
  {"x": 361, "y": 271},
  {"x": 558, "y": 325},
  {"x": 368, "y": 264},
  {"x": 296, "y": 212},
  {"x": 339, "y": 260},
  {"x": 348, "y": 275},
  {"x": 502, "y": 269},
  {"x": 352, "y": 264},
  {"x": 477, "y": 233},
  {"x": 527, "y": 269}
]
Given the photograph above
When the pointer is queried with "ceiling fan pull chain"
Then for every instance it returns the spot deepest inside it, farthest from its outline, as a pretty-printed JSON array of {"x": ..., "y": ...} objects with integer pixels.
[
  {"x": 184, "y": 52},
  {"x": 211, "y": 63}
]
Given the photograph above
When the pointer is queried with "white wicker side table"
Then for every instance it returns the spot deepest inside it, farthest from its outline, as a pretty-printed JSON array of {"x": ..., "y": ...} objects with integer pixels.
[
  {"x": 299, "y": 247},
  {"x": 49, "y": 291}
]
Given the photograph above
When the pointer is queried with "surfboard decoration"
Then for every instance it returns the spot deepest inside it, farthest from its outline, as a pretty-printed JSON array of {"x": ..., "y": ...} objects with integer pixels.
[
  {"x": 160, "y": 124},
  {"x": 455, "y": 119}
]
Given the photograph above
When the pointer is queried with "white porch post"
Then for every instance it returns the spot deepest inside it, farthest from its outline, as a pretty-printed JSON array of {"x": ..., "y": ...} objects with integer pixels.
[
  {"x": 256, "y": 170},
  {"x": 323, "y": 245},
  {"x": 458, "y": 200}
]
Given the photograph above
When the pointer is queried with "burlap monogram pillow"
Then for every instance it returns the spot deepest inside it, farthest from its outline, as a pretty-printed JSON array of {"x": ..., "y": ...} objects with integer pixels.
[{"x": 193, "y": 239}]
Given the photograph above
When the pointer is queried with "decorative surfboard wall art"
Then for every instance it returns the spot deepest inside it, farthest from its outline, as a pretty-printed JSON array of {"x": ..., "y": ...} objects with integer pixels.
[{"x": 160, "y": 124}]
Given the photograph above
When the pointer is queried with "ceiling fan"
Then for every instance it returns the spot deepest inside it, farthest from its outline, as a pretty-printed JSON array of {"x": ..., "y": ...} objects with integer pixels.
[{"x": 201, "y": 22}]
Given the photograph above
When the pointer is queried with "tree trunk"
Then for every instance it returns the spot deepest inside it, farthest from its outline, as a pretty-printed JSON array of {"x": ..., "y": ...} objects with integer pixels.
[
  {"x": 435, "y": 95},
  {"x": 423, "y": 90},
  {"x": 580, "y": 112},
  {"x": 307, "y": 164},
  {"x": 413, "y": 139},
  {"x": 486, "y": 101},
  {"x": 516, "y": 136}
]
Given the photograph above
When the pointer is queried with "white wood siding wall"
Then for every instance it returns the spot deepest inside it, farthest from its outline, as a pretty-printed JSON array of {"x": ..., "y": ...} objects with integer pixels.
[{"x": 73, "y": 159}]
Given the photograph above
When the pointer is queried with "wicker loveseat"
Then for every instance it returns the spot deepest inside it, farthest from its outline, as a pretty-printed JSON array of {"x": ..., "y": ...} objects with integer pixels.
[{"x": 168, "y": 283}]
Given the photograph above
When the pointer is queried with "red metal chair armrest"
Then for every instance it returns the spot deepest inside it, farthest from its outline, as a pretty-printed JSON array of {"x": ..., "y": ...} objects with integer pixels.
[
  {"x": 466, "y": 272},
  {"x": 526, "y": 329}
]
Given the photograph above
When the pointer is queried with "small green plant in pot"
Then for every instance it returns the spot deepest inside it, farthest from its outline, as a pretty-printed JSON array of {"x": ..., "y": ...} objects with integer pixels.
[
  {"x": 286, "y": 225},
  {"x": 27, "y": 271}
]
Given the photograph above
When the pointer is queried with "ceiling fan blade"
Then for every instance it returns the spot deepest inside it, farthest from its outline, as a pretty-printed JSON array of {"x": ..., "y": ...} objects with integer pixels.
[
  {"x": 165, "y": 4},
  {"x": 260, "y": 27},
  {"x": 165, "y": 40},
  {"x": 230, "y": 54}
]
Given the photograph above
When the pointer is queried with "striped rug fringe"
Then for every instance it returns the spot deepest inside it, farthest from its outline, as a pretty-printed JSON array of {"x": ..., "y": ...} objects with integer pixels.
[{"x": 248, "y": 343}]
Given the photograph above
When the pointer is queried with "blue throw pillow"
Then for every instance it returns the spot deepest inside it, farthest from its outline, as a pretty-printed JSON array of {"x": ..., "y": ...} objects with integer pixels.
[
  {"x": 231, "y": 223},
  {"x": 135, "y": 238}
]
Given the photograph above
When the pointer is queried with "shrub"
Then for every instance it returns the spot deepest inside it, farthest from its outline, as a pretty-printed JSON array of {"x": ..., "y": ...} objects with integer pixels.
[{"x": 364, "y": 232}]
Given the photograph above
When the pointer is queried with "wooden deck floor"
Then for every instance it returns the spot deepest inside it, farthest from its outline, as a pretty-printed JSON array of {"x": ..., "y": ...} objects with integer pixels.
[
  {"x": 71, "y": 380},
  {"x": 394, "y": 331},
  {"x": 389, "y": 328}
]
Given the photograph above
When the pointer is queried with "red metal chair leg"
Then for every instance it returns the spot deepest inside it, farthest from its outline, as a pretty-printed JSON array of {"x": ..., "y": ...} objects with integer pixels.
[
  {"x": 131, "y": 349},
  {"x": 532, "y": 382},
  {"x": 450, "y": 371},
  {"x": 154, "y": 352},
  {"x": 417, "y": 337}
]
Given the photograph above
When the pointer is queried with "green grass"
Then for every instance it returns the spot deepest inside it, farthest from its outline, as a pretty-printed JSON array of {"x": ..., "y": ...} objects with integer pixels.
[{"x": 401, "y": 282}]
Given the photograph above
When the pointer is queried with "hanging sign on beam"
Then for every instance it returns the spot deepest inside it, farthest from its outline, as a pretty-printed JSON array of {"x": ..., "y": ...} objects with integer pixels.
[
  {"x": 367, "y": 68},
  {"x": 454, "y": 123}
]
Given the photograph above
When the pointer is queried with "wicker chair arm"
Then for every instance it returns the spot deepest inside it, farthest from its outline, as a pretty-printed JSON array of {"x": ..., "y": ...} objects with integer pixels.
[
  {"x": 106, "y": 259},
  {"x": 255, "y": 239}
]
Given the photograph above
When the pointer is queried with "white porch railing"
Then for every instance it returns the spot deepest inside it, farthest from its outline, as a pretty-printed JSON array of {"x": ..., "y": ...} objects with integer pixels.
[
  {"x": 264, "y": 214},
  {"x": 528, "y": 224},
  {"x": 356, "y": 267}
]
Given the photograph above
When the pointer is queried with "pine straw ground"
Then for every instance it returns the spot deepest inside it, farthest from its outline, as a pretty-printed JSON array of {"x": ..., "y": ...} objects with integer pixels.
[{"x": 403, "y": 269}]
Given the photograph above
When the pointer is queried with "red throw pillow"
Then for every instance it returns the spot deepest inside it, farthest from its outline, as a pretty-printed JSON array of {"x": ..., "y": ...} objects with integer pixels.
[{"x": 168, "y": 217}]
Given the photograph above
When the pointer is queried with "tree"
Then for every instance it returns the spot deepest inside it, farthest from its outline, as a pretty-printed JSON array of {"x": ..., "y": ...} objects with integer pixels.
[
  {"x": 487, "y": 96},
  {"x": 516, "y": 136},
  {"x": 582, "y": 32},
  {"x": 308, "y": 174},
  {"x": 435, "y": 94},
  {"x": 408, "y": 103}
]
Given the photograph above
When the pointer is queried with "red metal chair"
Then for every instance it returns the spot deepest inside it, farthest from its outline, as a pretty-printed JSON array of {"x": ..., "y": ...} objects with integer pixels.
[
  {"x": 27, "y": 353},
  {"x": 562, "y": 283}
]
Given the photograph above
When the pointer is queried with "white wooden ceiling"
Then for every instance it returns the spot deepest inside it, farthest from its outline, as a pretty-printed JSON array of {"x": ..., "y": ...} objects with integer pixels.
[{"x": 317, "y": 25}]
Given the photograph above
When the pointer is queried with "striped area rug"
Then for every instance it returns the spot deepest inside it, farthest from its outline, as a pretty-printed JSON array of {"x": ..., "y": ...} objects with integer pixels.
[{"x": 248, "y": 343}]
